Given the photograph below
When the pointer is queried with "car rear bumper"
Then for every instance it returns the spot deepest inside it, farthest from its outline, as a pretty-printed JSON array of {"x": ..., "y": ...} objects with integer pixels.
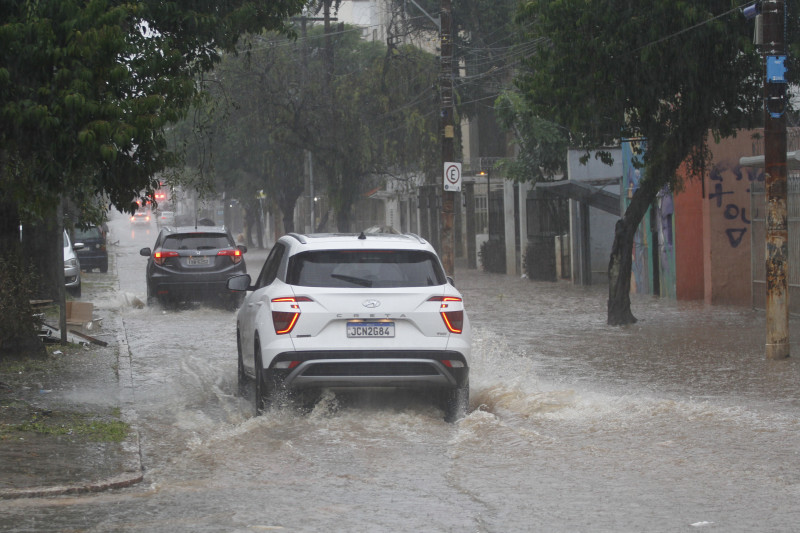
[
  {"x": 192, "y": 286},
  {"x": 403, "y": 369},
  {"x": 93, "y": 261}
]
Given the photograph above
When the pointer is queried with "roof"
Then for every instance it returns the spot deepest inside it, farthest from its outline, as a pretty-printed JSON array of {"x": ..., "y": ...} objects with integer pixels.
[
  {"x": 317, "y": 241},
  {"x": 195, "y": 229}
]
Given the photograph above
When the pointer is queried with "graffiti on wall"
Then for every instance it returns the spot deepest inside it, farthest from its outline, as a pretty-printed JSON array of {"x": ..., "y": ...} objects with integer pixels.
[
  {"x": 665, "y": 208},
  {"x": 656, "y": 231},
  {"x": 631, "y": 176},
  {"x": 725, "y": 178}
]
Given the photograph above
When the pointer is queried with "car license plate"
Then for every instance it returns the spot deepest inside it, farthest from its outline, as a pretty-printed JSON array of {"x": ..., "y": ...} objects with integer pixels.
[
  {"x": 195, "y": 261},
  {"x": 370, "y": 329}
]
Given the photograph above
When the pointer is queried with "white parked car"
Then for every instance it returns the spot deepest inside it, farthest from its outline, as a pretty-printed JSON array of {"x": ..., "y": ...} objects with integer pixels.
[
  {"x": 343, "y": 311},
  {"x": 72, "y": 268}
]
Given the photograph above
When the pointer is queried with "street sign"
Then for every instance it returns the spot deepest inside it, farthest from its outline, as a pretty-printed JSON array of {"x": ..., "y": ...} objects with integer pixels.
[{"x": 452, "y": 177}]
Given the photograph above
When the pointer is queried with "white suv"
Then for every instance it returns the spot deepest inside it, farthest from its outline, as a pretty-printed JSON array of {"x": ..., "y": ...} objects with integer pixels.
[{"x": 350, "y": 310}]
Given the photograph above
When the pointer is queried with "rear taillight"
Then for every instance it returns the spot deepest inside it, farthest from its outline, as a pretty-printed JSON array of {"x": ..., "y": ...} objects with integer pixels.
[
  {"x": 454, "y": 320},
  {"x": 159, "y": 257},
  {"x": 235, "y": 255},
  {"x": 284, "y": 321}
]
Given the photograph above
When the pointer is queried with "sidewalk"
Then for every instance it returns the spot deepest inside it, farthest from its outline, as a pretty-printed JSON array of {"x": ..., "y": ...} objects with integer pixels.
[{"x": 67, "y": 424}]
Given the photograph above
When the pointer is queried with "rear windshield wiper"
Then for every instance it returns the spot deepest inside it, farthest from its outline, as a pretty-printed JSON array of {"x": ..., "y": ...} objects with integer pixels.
[{"x": 354, "y": 280}]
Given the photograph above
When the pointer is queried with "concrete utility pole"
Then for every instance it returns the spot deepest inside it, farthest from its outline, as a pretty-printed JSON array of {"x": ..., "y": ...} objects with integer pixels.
[
  {"x": 447, "y": 132},
  {"x": 777, "y": 305}
]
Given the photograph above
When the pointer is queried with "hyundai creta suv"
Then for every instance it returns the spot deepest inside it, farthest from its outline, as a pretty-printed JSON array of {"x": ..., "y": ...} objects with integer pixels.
[{"x": 353, "y": 311}]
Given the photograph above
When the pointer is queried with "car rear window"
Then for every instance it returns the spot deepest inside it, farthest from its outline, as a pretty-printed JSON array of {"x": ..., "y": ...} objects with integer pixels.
[
  {"x": 88, "y": 233},
  {"x": 197, "y": 241},
  {"x": 365, "y": 268}
]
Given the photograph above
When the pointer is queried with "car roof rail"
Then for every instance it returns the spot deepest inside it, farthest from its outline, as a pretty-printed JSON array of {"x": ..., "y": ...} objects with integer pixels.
[
  {"x": 414, "y": 235},
  {"x": 299, "y": 237}
]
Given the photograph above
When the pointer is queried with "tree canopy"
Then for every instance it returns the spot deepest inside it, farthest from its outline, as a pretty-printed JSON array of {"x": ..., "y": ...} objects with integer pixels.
[
  {"x": 668, "y": 71},
  {"x": 363, "y": 112},
  {"x": 87, "y": 88}
]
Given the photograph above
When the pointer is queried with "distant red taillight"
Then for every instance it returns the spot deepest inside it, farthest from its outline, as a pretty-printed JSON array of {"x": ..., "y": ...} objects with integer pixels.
[
  {"x": 235, "y": 254},
  {"x": 159, "y": 257},
  {"x": 284, "y": 321},
  {"x": 453, "y": 320}
]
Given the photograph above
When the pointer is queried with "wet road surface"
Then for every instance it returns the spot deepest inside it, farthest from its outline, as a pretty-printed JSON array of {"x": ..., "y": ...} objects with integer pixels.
[{"x": 676, "y": 423}]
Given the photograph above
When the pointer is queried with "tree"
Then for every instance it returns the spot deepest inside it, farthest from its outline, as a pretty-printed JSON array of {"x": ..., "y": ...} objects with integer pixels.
[
  {"x": 87, "y": 89},
  {"x": 668, "y": 71},
  {"x": 272, "y": 106}
]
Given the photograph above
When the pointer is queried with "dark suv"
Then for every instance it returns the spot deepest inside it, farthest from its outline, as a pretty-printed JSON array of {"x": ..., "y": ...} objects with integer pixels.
[
  {"x": 193, "y": 263},
  {"x": 90, "y": 246}
]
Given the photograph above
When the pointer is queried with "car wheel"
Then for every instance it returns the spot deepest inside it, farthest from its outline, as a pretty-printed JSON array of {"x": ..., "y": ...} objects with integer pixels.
[
  {"x": 456, "y": 403},
  {"x": 150, "y": 296},
  {"x": 241, "y": 377},
  {"x": 264, "y": 391},
  {"x": 104, "y": 268},
  {"x": 75, "y": 291}
]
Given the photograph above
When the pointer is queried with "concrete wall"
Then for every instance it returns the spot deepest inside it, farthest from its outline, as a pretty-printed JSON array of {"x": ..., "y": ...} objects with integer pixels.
[{"x": 727, "y": 222}]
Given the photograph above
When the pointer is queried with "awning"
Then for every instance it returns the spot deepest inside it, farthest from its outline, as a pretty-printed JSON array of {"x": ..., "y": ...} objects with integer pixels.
[
  {"x": 757, "y": 161},
  {"x": 585, "y": 193}
]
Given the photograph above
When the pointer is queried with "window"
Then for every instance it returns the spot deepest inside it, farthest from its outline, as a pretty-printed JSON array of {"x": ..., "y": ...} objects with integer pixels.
[
  {"x": 365, "y": 268},
  {"x": 197, "y": 241},
  {"x": 270, "y": 269}
]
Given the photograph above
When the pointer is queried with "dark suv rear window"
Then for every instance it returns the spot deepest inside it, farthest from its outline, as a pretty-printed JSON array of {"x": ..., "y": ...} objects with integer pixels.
[
  {"x": 365, "y": 268},
  {"x": 88, "y": 233},
  {"x": 197, "y": 241}
]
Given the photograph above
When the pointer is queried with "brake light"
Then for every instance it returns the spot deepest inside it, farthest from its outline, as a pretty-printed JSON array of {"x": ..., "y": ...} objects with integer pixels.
[
  {"x": 159, "y": 257},
  {"x": 284, "y": 321},
  {"x": 453, "y": 320},
  {"x": 235, "y": 254}
]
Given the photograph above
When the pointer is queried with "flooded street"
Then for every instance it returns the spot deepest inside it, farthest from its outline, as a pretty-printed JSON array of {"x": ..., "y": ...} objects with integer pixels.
[{"x": 676, "y": 423}]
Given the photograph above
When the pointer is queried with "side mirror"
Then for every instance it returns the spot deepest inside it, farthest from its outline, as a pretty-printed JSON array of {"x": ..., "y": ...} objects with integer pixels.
[
  {"x": 77, "y": 246},
  {"x": 240, "y": 282},
  {"x": 145, "y": 252},
  {"x": 243, "y": 248}
]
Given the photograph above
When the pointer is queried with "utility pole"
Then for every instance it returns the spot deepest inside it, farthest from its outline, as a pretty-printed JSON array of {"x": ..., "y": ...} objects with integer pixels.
[
  {"x": 777, "y": 304},
  {"x": 447, "y": 132}
]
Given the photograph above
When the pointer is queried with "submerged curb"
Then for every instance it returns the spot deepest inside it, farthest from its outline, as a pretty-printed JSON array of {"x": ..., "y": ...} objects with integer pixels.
[{"x": 132, "y": 475}]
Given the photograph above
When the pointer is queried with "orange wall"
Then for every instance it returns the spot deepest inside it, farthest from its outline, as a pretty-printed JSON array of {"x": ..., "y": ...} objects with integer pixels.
[
  {"x": 713, "y": 227},
  {"x": 727, "y": 222},
  {"x": 689, "y": 275}
]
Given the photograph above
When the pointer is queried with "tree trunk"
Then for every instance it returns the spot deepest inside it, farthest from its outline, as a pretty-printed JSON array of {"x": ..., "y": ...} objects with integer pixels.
[
  {"x": 25, "y": 343},
  {"x": 621, "y": 261}
]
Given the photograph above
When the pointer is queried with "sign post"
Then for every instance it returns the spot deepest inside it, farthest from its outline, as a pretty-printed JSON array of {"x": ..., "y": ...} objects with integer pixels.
[{"x": 452, "y": 177}]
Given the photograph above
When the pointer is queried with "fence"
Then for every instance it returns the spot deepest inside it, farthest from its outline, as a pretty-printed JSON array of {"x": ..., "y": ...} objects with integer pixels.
[{"x": 758, "y": 244}]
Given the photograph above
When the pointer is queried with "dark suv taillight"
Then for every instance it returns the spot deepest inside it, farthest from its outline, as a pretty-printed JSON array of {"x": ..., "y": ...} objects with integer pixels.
[
  {"x": 235, "y": 255},
  {"x": 160, "y": 256}
]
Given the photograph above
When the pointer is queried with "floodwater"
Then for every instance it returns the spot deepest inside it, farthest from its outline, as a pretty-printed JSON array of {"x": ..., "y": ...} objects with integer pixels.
[{"x": 676, "y": 423}]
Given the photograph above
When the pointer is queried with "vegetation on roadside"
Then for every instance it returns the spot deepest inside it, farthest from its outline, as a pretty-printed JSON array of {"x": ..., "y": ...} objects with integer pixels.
[{"x": 94, "y": 427}]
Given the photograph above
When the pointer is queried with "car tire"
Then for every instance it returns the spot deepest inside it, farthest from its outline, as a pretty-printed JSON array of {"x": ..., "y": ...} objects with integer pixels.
[
  {"x": 104, "y": 268},
  {"x": 150, "y": 296},
  {"x": 75, "y": 291},
  {"x": 456, "y": 403},
  {"x": 263, "y": 390},
  {"x": 241, "y": 377}
]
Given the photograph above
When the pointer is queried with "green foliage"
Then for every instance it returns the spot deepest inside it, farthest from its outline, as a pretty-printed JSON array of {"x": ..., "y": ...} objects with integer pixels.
[
  {"x": 369, "y": 113},
  {"x": 88, "y": 88},
  {"x": 493, "y": 256},
  {"x": 542, "y": 144},
  {"x": 17, "y": 287},
  {"x": 669, "y": 71}
]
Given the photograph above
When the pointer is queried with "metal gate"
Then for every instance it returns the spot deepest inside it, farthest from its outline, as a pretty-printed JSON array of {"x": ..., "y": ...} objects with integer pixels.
[{"x": 758, "y": 243}]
